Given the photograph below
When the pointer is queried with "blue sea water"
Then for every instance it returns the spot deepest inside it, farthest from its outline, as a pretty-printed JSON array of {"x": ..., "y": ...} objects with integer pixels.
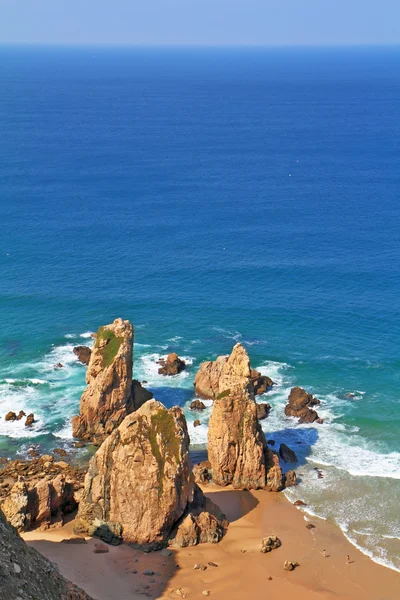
[{"x": 212, "y": 196}]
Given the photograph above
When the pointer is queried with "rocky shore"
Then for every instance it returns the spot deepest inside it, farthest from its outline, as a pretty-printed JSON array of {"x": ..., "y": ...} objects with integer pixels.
[{"x": 140, "y": 486}]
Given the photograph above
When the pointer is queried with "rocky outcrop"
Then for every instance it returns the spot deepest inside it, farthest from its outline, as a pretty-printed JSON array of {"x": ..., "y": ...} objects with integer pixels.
[
  {"x": 263, "y": 410},
  {"x": 197, "y": 405},
  {"x": 27, "y": 575},
  {"x": 110, "y": 394},
  {"x": 140, "y": 486},
  {"x": 290, "y": 479},
  {"x": 288, "y": 455},
  {"x": 40, "y": 492},
  {"x": 299, "y": 406},
  {"x": 275, "y": 478},
  {"x": 237, "y": 449},
  {"x": 83, "y": 354},
  {"x": 229, "y": 373},
  {"x": 172, "y": 365}
]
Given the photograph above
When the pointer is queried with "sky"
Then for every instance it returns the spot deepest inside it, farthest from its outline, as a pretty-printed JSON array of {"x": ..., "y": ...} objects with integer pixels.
[{"x": 205, "y": 22}]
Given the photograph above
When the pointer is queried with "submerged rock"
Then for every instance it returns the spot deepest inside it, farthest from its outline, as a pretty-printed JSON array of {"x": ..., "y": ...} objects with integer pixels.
[
  {"x": 288, "y": 455},
  {"x": 172, "y": 365},
  {"x": 197, "y": 405},
  {"x": 110, "y": 394},
  {"x": 299, "y": 406},
  {"x": 229, "y": 373},
  {"x": 83, "y": 354},
  {"x": 140, "y": 486}
]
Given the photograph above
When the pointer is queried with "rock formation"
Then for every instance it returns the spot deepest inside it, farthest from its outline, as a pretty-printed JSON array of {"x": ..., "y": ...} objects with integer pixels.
[
  {"x": 263, "y": 410},
  {"x": 39, "y": 492},
  {"x": 83, "y": 354},
  {"x": 140, "y": 486},
  {"x": 197, "y": 405},
  {"x": 27, "y": 575},
  {"x": 288, "y": 455},
  {"x": 299, "y": 406},
  {"x": 272, "y": 542},
  {"x": 172, "y": 365},
  {"x": 110, "y": 394},
  {"x": 229, "y": 373},
  {"x": 237, "y": 449}
]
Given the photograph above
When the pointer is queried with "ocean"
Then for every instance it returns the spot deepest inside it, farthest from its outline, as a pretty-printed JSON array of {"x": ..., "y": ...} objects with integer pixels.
[{"x": 212, "y": 196}]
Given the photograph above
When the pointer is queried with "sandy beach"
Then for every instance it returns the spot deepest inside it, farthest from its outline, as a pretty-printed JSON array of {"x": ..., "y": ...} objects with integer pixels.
[{"x": 241, "y": 571}]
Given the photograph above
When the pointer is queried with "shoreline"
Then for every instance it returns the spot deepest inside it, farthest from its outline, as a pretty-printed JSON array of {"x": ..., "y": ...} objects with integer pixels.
[{"x": 242, "y": 570}]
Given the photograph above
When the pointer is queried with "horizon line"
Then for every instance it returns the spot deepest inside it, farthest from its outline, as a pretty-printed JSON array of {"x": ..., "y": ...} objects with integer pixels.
[{"x": 200, "y": 45}]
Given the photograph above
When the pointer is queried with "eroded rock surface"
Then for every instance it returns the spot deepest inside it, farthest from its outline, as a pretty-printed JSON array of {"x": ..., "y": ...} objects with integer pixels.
[
  {"x": 172, "y": 365},
  {"x": 83, "y": 354},
  {"x": 263, "y": 410},
  {"x": 27, "y": 575},
  {"x": 110, "y": 394},
  {"x": 231, "y": 373},
  {"x": 237, "y": 449},
  {"x": 140, "y": 485},
  {"x": 299, "y": 406},
  {"x": 40, "y": 492}
]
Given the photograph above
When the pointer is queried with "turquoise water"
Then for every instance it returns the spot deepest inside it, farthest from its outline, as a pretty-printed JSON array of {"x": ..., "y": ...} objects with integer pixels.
[{"x": 212, "y": 196}]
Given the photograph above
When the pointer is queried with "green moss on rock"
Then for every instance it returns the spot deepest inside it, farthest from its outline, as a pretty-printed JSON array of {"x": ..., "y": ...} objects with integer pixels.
[
  {"x": 110, "y": 350},
  {"x": 164, "y": 442}
]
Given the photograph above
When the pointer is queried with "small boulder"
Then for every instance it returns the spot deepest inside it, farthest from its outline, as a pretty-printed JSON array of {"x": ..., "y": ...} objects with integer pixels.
[
  {"x": 20, "y": 415},
  {"x": 59, "y": 366},
  {"x": 299, "y": 406},
  {"x": 197, "y": 405},
  {"x": 196, "y": 423},
  {"x": 289, "y": 565},
  {"x": 288, "y": 455},
  {"x": 199, "y": 567},
  {"x": 299, "y": 503},
  {"x": 60, "y": 451},
  {"x": 11, "y": 416},
  {"x": 270, "y": 543},
  {"x": 30, "y": 420},
  {"x": 83, "y": 354},
  {"x": 172, "y": 365},
  {"x": 290, "y": 479}
]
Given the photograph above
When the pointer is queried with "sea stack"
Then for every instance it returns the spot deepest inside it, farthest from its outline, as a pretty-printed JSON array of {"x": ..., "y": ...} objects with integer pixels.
[
  {"x": 140, "y": 486},
  {"x": 110, "y": 394},
  {"x": 229, "y": 373},
  {"x": 237, "y": 449},
  {"x": 299, "y": 406}
]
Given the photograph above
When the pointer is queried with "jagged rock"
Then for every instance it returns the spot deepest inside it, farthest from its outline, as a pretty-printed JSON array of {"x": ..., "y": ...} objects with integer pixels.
[
  {"x": 299, "y": 406},
  {"x": 275, "y": 478},
  {"x": 288, "y": 455},
  {"x": 290, "y": 566},
  {"x": 110, "y": 394},
  {"x": 30, "y": 420},
  {"x": 202, "y": 472},
  {"x": 10, "y": 416},
  {"x": 270, "y": 543},
  {"x": 196, "y": 423},
  {"x": 40, "y": 492},
  {"x": 197, "y": 405},
  {"x": 229, "y": 373},
  {"x": 172, "y": 365},
  {"x": 290, "y": 479},
  {"x": 83, "y": 354},
  {"x": 237, "y": 449},
  {"x": 139, "y": 485},
  {"x": 263, "y": 410},
  {"x": 20, "y": 415},
  {"x": 27, "y": 575}
]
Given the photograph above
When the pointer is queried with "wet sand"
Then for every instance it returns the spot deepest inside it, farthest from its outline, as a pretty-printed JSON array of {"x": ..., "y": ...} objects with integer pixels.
[{"x": 242, "y": 571}]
